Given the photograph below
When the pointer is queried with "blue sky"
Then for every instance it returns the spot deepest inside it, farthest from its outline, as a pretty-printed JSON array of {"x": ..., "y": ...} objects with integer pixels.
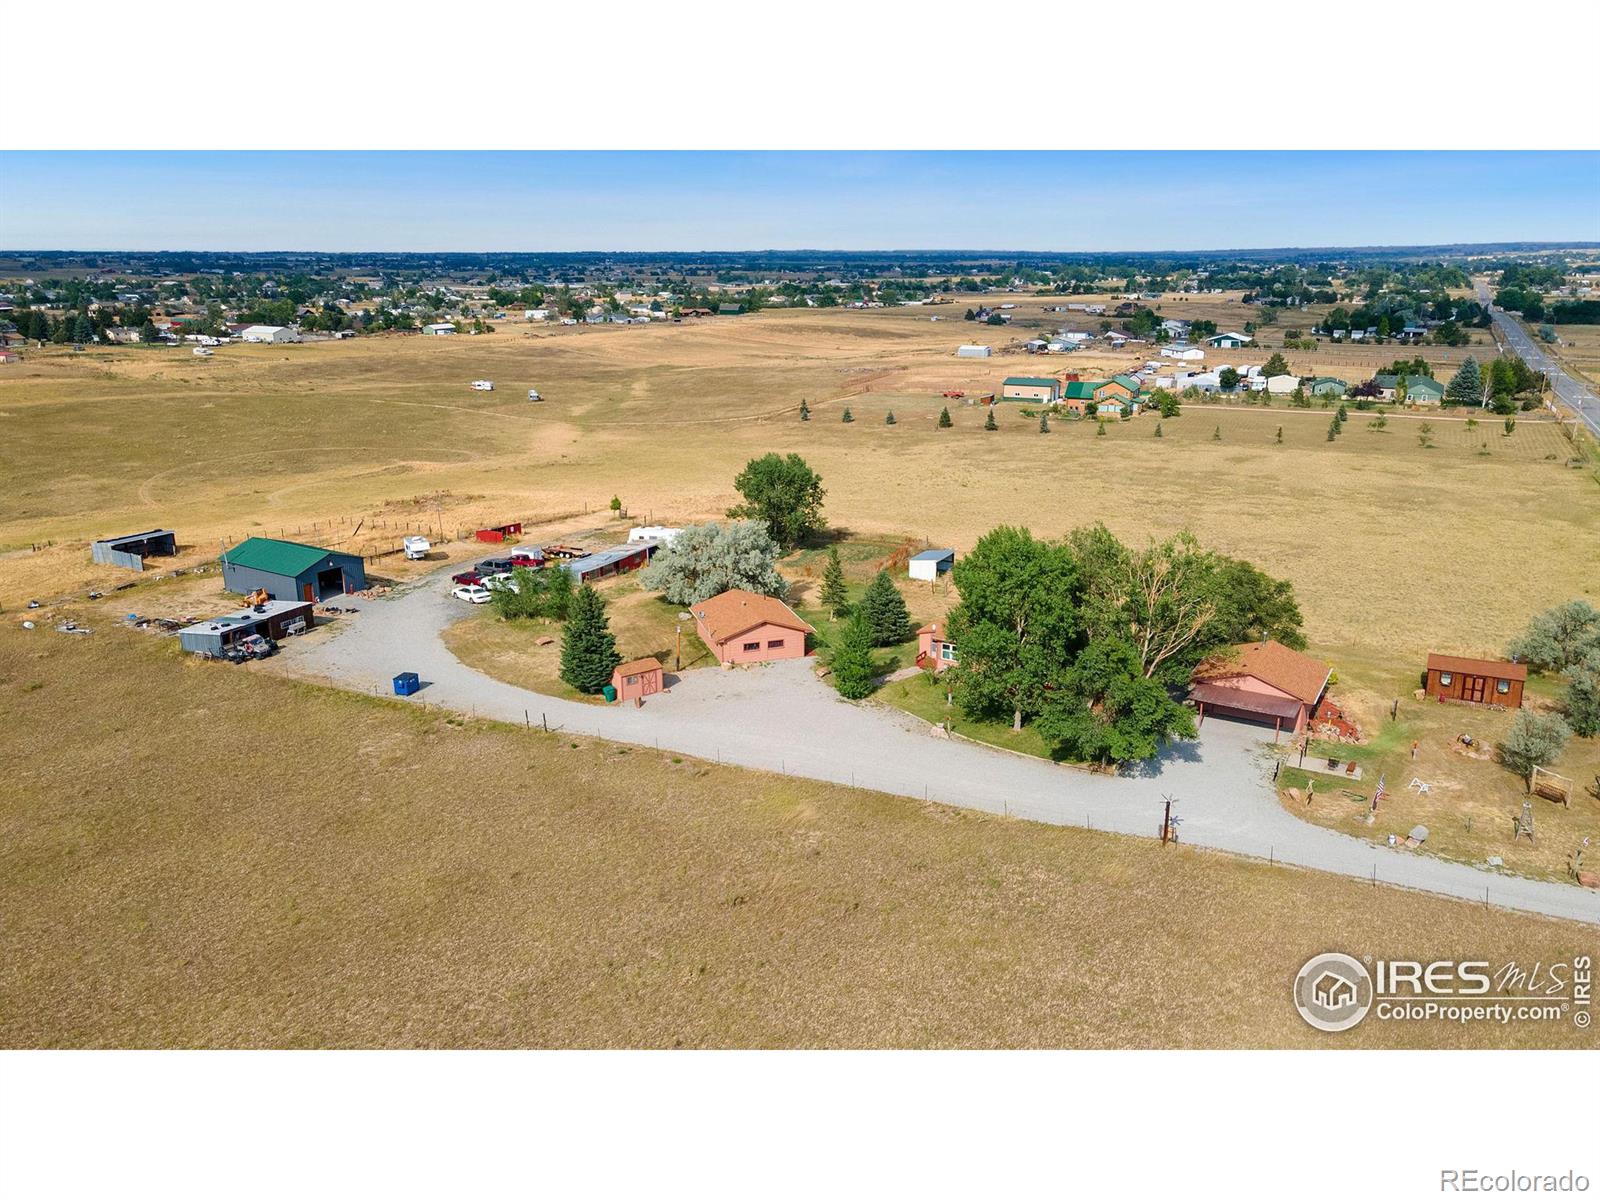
[{"x": 662, "y": 200}]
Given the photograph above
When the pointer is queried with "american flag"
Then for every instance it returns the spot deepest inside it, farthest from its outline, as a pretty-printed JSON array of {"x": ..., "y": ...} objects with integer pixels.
[{"x": 1377, "y": 795}]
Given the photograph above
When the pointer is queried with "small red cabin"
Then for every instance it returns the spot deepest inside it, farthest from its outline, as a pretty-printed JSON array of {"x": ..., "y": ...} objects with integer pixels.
[{"x": 1476, "y": 680}]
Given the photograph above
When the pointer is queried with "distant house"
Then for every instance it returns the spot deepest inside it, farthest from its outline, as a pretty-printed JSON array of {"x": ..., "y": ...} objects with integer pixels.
[
  {"x": 265, "y": 333},
  {"x": 747, "y": 627},
  {"x": 1475, "y": 680},
  {"x": 1282, "y": 385},
  {"x": 1424, "y": 392},
  {"x": 439, "y": 329},
  {"x": 972, "y": 352},
  {"x": 1030, "y": 387},
  {"x": 730, "y": 310},
  {"x": 1227, "y": 341},
  {"x": 1083, "y": 396},
  {"x": 1263, "y": 682},
  {"x": 1327, "y": 385},
  {"x": 1183, "y": 353},
  {"x": 537, "y": 314},
  {"x": 1128, "y": 381},
  {"x": 934, "y": 648},
  {"x": 928, "y": 565}
]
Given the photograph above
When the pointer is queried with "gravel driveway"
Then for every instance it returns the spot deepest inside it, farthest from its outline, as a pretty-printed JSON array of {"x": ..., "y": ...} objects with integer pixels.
[{"x": 782, "y": 718}]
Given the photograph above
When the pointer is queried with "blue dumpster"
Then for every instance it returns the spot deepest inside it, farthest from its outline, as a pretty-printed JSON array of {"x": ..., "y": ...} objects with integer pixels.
[{"x": 407, "y": 684}]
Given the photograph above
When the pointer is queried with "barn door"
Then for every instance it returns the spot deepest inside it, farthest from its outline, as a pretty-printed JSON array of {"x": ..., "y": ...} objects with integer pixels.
[{"x": 1475, "y": 690}]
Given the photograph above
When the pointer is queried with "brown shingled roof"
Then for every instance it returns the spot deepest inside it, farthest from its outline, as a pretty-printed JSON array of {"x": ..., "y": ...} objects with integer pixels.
[
  {"x": 637, "y": 666},
  {"x": 1496, "y": 668},
  {"x": 735, "y": 611},
  {"x": 1302, "y": 676}
]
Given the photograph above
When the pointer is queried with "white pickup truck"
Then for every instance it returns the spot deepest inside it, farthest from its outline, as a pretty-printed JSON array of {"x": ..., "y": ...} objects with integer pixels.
[{"x": 483, "y": 385}]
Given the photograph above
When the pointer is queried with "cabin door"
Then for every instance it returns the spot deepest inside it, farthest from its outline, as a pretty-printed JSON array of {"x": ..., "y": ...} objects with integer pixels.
[{"x": 1474, "y": 688}]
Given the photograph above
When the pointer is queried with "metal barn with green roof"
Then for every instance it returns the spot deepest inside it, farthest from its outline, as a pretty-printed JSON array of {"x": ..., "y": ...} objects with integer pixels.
[
  {"x": 291, "y": 570},
  {"x": 1030, "y": 387}
]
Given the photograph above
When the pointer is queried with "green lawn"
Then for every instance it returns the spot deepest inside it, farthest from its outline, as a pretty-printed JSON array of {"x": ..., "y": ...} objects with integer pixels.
[{"x": 924, "y": 696}]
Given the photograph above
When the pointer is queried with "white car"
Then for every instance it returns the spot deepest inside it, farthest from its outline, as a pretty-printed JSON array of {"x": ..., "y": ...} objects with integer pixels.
[{"x": 472, "y": 593}]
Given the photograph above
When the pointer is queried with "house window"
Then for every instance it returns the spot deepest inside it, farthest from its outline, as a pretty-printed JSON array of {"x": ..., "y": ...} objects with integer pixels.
[
  {"x": 947, "y": 652},
  {"x": 775, "y": 644},
  {"x": 1503, "y": 686},
  {"x": 1446, "y": 679},
  {"x": 752, "y": 645}
]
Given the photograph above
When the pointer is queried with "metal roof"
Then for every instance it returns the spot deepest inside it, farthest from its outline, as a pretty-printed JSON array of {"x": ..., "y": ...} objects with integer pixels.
[
  {"x": 1029, "y": 381},
  {"x": 246, "y": 616},
  {"x": 604, "y": 558},
  {"x": 275, "y": 557},
  {"x": 932, "y": 555},
  {"x": 135, "y": 537}
]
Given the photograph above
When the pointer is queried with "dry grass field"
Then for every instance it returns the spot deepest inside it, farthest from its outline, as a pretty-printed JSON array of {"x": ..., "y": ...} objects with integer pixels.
[
  {"x": 1393, "y": 547},
  {"x": 1579, "y": 351},
  {"x": 198, "y": 855}
]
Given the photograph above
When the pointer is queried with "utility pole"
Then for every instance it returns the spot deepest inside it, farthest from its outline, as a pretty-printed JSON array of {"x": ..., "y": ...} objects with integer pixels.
[{"x": 1168, "y": 832}]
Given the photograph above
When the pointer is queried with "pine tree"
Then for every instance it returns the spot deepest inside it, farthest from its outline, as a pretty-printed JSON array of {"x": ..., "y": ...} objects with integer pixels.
[
  {"x": 1511, "y": 423},
  {"x": 1044, "y": 422},
  {"x": 1099, "y": 429},
  {"x": 989, "y": 422},
  {"x": 805, "y": 411},
  {"x": 1216, "y": 434},
  {"x": 885, "y": 611},
  {"x": 851, "y": 663},
  {"x": 888, "y": 417},
  {"x": 834, "y": 597},
  {"x": 1466, "y": 387},
  {"x": 1333, "y": 429},
  {"x": 1158, "y": 429},
  {"x": 944, "y": 418},
  {"x": 848, "y": 415},
  {"x": 588, "y": 647},
  {"x": 1343, "y": 414}
]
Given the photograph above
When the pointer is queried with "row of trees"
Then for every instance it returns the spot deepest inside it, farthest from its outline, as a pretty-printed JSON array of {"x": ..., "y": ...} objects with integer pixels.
[{"x": 1090, "y": 639}]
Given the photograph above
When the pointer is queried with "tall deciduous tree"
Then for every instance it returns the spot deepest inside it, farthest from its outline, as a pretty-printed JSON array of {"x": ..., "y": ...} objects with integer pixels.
[
  {"x": 1015, "y": 624},
  {"x": 1559, "y": 638},
  {"x": 706, "y": 560},
  {"x": 588, "y": 647},
  {"x": 785, "y": 494},
  {"x": 1107, "y": 710}
]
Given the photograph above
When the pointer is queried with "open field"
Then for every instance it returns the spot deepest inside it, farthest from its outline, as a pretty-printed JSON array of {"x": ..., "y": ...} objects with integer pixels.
[
  {"x": 1579, "y": 351},
  {"x": 375, "y": 875},
  {"x": 1391, "y": 546}
]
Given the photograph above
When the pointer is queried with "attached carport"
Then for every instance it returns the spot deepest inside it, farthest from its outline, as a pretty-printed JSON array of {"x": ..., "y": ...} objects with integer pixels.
[{"x": 1237, "y": 704}]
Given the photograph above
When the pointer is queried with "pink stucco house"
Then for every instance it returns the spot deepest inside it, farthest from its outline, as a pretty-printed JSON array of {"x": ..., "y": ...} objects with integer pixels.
[
  {"x": 1263, "y": 682},
  {"x": 934, "y": 649},
  {"x": 747, "y": 627}
]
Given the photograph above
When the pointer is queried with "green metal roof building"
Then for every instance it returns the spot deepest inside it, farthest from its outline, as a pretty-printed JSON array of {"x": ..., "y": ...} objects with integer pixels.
[{"x": 291, "y": 570}]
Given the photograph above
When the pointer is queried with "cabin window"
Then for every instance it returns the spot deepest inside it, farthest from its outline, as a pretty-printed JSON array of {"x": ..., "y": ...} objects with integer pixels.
[
  {"x": 752, "y": 645},
  {"x": 775, "y": 644},
  {"x": 947, "y": 652},
  {"x": 1503, "y": 686},
  {"x": 1445, "y": 679}
]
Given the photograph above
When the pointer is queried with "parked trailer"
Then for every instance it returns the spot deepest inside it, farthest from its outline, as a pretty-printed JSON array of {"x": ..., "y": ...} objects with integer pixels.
[
  {"x": 483, "y": 385},
  {"x": 417, "y": 547}
]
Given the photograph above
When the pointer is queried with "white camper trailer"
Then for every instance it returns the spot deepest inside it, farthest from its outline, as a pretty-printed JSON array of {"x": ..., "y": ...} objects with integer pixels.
[{"x": 417, "y": 547}]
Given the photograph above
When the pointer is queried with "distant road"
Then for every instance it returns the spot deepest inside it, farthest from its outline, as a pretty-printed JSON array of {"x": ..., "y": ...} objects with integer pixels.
[{"x": 1584, "y": 404}]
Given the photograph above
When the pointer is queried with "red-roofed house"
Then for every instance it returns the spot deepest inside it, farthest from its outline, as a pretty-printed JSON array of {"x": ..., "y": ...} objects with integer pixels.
[
  {"x": 1265, "y": 682},
  {"x": 747, "y": 627}
]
